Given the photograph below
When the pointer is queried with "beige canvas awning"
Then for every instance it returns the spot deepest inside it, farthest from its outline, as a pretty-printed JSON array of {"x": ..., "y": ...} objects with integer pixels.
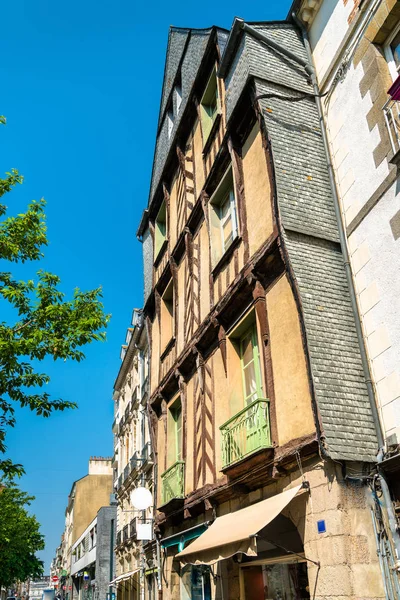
[
  {"x": 123, "y": 577},
  {"x": 236, "y": 532}
]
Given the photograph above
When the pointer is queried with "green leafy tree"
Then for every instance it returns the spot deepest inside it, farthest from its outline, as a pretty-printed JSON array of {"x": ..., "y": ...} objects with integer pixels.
[
  {"x": 45, "y": 323},
  {"x": 20, "y": 538}
]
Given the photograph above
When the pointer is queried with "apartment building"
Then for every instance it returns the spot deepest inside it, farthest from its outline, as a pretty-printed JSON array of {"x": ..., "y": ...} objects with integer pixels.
[
  {"x": 88, "y": 494},
  {"x": 259, "y": 408},
  {"x": 92, "y": 565},
  {"x": 133, "y": 466}
]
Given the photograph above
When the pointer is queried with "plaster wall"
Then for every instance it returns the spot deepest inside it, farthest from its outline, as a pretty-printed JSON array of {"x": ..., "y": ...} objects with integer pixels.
[
  {"x": 198, "y": 158},
  {"x": 155, "y": 354},
  {"x": 204, "y": 273},
  {"x": 181, "y": 293},
  {"x": 91, "y": 493},
  {"x": 292, "y": 394},
  {"x": 353, "y": 143},
  {"x": 257, "y": 190},
  {"x": 328, "y": 29},
  {"x": 375, "y": 257},
  {"x": 100, "y": 466}
]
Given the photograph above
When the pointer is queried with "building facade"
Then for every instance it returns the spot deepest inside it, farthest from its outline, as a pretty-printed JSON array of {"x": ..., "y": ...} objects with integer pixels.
[
  {"x": 259, "y": 409},
  {"x": 355, "y": 52},
  {"x": 93, "y": 556},
  {"x": 133, "y": 465},
  {"x": 87, "y": 496}
]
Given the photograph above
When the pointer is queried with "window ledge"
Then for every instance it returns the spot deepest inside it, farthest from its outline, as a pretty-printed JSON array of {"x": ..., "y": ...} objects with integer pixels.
[
  {"x": 161, "y": 252},
  {"x": 226, "y": 256},
  {"x": 167, "y": 348},
  {"x": 210, "y": 137}
]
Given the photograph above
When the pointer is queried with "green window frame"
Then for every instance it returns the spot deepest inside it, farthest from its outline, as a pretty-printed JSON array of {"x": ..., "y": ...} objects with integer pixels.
[
  {"x": 209, "y": 106},
  {"x": 175, "y": 432},
  {"x": 250, "y": 365},
  {"x": 223, "y": 216}
]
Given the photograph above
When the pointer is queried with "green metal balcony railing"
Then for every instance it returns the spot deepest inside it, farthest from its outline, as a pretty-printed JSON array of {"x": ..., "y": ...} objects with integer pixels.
[
  {"x": 173, "y": 482},
  {"x": 245, "y": 433}
]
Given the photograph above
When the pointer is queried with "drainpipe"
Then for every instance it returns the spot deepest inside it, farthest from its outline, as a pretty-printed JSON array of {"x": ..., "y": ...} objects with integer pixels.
[{"x": 353, "y": 298}]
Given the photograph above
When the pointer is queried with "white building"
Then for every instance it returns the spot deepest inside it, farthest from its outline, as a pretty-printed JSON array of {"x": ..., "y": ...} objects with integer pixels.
[
  {"x": 133, "y": 467},
  {"x": 356, "y": 52}
]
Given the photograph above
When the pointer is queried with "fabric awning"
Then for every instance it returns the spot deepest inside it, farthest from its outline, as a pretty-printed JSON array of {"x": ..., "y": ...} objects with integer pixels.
[
  {"x": 236, "y": 532},
  {"x": 123, "y": 577}
]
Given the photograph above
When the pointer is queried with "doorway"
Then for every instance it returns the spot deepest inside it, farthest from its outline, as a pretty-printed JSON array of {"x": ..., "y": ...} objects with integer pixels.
[{"x": 277, "y": 581}]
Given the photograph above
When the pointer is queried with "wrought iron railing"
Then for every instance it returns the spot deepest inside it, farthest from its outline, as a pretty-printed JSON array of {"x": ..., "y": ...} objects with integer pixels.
[
  {"x": 146, "y": 455},
  {"x": 119, "y": 537},
  {"x": 127, "y": 411},
  {"x": 245, "y": 433},
  {"x": 391, "y": 111},
  {"x": 173, "y": 482},
  {"x": 135, "y": 461},
  {"x": 127, "y": 470},
  {"x": 119, "y": 484}
]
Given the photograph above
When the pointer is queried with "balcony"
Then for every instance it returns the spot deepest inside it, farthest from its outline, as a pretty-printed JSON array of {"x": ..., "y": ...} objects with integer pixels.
[
  {"x": 135, "y": 461},
  {"x": 135, "y": 398},
  {"x": 119, "y": 538},
  {"x": 391, "y": 111},
  {"x": 127, "y": 411},
  {"x": 246, "y": 433},
  {"x": 173, "y": 482},
  {"x": 146, "y": 457},
  {"x": 127, "y": 470},
  {"x": 132, "y": 529},
  {"x": 125, "y": 533},
  {"x": 119, "y": 484}
]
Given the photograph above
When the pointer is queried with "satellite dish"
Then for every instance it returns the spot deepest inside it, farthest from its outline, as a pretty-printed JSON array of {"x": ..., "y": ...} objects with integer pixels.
[{"x": 141, "y": 498}]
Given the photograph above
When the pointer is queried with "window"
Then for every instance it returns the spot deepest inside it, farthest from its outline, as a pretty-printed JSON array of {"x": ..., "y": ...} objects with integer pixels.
[
  {"x": 167, "y": 316},
  {"x": 195, "y": 583},
  {"x": 209, "y": 106},
  {"x": 170, "y": 121},
  {"x": 178, "y": 97},
  {"x": 174, "y": 432},
  {"x": 392, "y": 53},
  {"x": 250, "y": 362},
  {"x": 160, "y": 229},
  {"x": 224, "y": 229}
]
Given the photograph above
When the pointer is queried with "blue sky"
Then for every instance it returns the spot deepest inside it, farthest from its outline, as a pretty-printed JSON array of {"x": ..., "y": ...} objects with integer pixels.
[{"x": 81, "y": 84}]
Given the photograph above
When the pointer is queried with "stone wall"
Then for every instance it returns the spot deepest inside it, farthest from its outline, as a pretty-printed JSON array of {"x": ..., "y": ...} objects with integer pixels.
[{"x": 346, "y": 552}]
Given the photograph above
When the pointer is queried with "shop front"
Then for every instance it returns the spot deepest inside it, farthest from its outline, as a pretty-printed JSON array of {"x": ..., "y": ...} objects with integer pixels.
[{"x": 255, "y": 553}]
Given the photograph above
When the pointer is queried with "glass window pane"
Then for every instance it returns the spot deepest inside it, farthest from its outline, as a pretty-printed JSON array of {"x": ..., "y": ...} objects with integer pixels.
[
  {"x": 225, "y": 208},
  {"x": 227, "y": 234},
  {"x": 247, "y": 347},
  {"x": 250, "y": 382}
]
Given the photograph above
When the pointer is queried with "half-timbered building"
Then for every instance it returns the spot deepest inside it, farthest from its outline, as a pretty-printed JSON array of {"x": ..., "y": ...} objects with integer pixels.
[{"x": 259, "y": 410}]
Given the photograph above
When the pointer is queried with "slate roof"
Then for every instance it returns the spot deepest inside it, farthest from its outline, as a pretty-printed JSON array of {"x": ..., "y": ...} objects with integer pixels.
[{"x": 185, "y": 47}]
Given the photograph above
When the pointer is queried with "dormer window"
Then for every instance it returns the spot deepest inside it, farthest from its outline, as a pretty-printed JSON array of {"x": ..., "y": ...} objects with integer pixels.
[
  {"x": 170, "y": 120},
  {"x": 178, "y": 94},
  {"x": 209, "y": 106},
  {"x": 178, "y": 98}
]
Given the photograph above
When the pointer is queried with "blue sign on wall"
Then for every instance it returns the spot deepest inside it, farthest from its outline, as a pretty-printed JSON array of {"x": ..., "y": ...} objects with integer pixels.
[{"x": 321, "y": 526}]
